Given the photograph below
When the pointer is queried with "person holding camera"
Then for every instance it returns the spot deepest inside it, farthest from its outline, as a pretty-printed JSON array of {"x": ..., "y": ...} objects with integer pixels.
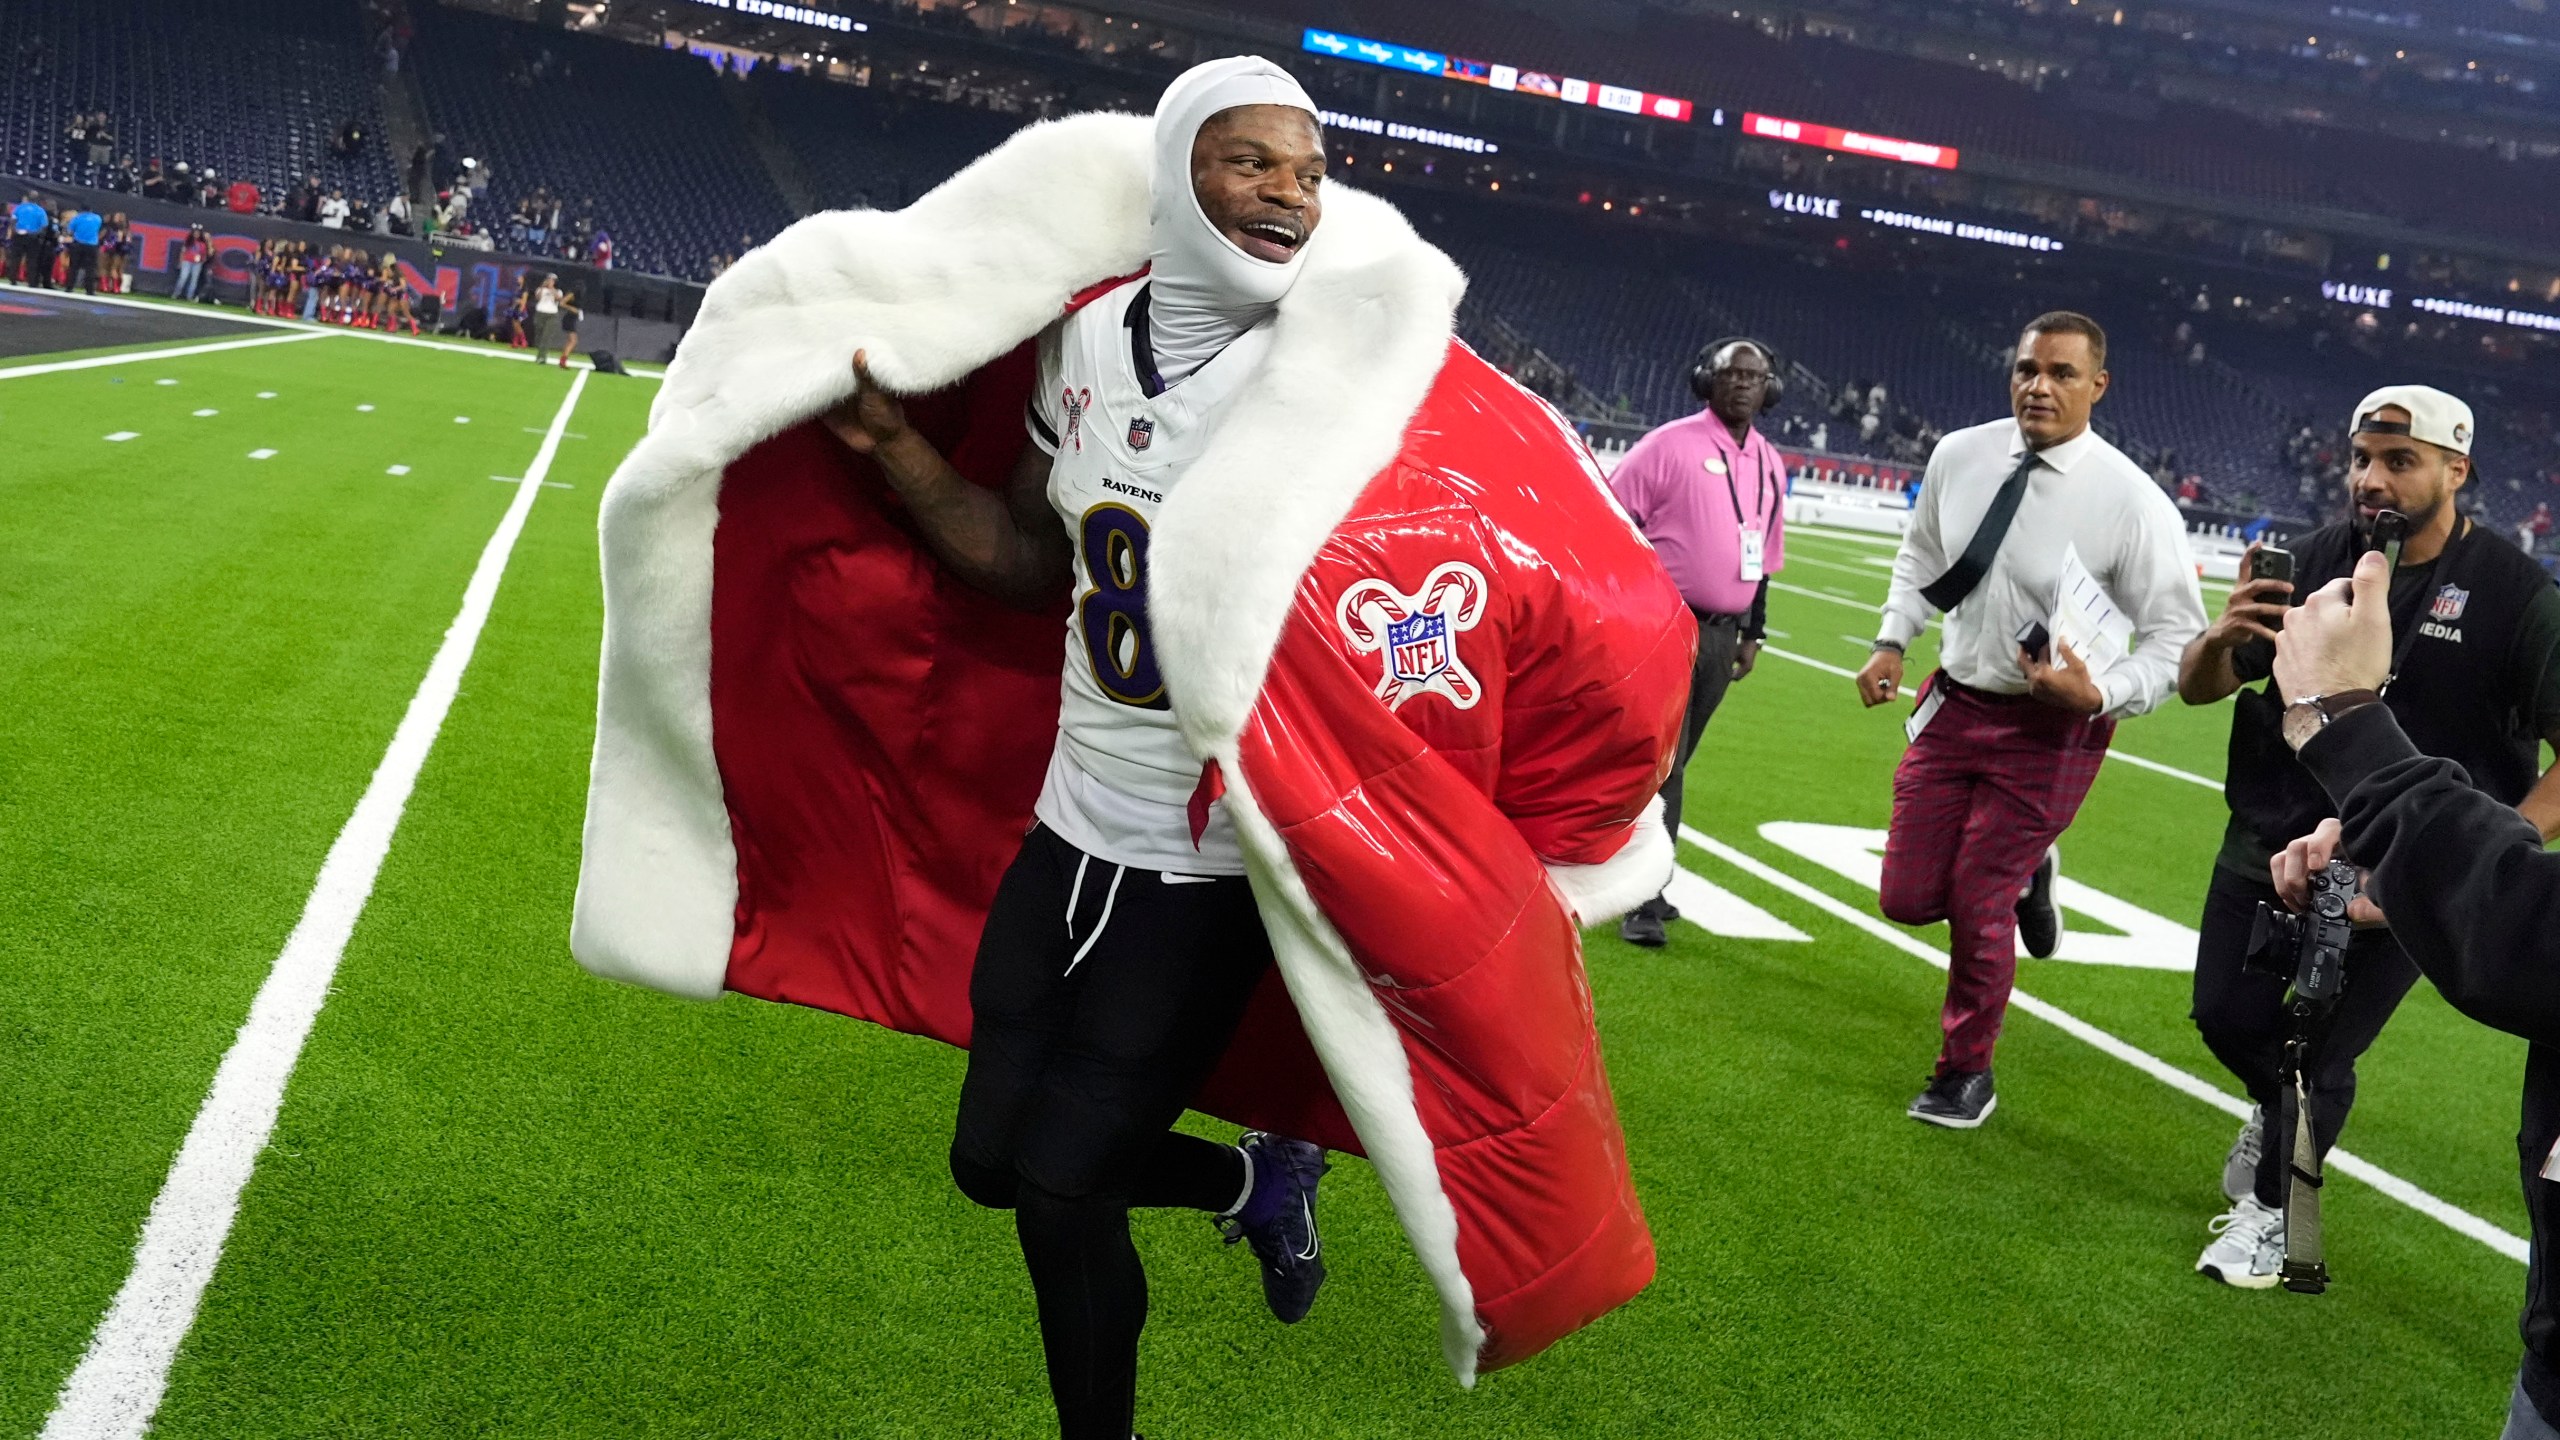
[
  {"x": 1709, "y": 492},
  {"x": 2009, "y": 733},
  {"x": 2462, "y": 879},
  {"x": 2476, "y": 680}
]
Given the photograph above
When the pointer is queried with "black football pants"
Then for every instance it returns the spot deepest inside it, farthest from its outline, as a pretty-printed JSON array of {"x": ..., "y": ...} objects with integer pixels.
[
  {"x": 1103, "y": 997},
  {"x": 2241, "y": 1014}
]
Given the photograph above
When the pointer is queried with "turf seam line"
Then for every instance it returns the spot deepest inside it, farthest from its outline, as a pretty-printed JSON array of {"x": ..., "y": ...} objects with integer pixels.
[
  {"x": 116, "y": 1388},
  {"x": 276, "y": 322},
  {"x": 2444, "y": 1212},
  {"x": 176, "y": 352},
  {"x": 2172, "y": 771}
]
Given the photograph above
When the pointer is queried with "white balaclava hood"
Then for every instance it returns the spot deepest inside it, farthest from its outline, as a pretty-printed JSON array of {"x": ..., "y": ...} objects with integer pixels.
[{"x": 1203, "y": 291}]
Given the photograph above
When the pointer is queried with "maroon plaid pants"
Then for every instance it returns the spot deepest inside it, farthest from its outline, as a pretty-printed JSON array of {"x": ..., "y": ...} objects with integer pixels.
[{"x": 1989, "y": 784}]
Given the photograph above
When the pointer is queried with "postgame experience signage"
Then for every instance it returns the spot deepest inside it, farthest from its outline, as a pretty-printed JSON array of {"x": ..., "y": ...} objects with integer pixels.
[
  {"x": 1826, "y": 207},
  {"x": 2379, "y": 297},
  {"x": 1398, "y": 130},
  {"x": 1499, "y": 77},
  {"x": 1850, "y": 142},
  {"x": 797, "y": 14}
]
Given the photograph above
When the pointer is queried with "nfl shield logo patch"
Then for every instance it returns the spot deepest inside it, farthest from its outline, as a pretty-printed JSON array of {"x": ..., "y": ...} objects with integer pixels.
[
  {"x": 1142, "y": 433},
  {"x": 2449, "y": 602},
  {"x": 1418, "y": 631},
  {"x": 1417, "y": 647}
]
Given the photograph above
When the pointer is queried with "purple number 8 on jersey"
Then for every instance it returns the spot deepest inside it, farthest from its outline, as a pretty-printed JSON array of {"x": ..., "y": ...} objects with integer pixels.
[{"x": 1113, "y": 614}]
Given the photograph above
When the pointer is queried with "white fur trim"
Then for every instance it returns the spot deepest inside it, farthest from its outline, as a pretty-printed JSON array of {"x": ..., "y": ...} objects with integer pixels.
[
  {"x": 1364, "y": 1057},
  {"x": 1622, "y": 882}
]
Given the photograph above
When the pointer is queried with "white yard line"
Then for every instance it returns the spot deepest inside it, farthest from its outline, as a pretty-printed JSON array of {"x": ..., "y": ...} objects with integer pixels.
[
  {"x": 2452, "y": 1216},
  {"x": 174, "y": 352},
  {"x": 117, "y": 1386},
  {"x": 306, "y": 327},
  {"x": 2172, "y": 771}
]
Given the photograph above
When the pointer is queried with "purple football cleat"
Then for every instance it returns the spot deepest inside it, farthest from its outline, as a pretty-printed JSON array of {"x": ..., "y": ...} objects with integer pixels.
[{"x": 1279, "y": 1221}]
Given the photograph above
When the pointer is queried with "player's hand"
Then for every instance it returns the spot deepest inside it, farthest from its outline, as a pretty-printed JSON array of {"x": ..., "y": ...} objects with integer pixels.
[
  {"x": 2253, "y": 610},
  {"x": 2293, "y": 866},
  {"x": 2340, "y": 638},
  {"x": 1745, "y": 655},
  {"x": 871, "y": 417},
  {"x": 1881, "y": 680},
  {"x": 2066, "y": 684}
]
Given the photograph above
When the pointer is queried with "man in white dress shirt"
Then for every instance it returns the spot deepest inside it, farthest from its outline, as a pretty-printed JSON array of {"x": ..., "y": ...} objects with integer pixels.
[{"x": 2006, "y": 740}]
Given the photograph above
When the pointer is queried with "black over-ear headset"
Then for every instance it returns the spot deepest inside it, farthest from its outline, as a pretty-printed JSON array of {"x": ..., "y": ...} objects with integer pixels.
[{"x": 1702, "y": 370}]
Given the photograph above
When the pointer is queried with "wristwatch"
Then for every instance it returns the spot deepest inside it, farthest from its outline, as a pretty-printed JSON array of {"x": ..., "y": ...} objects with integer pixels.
[{"x": 2312, "y": 714}]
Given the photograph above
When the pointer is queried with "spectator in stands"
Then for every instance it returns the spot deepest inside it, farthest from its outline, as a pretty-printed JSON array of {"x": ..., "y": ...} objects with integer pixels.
[
  {"x": 2535, "y": 528},
  {"x": 2006, "y": 739},
  {"x": 182, "y": 184},
  {"x": 242, "y": 197},
  {"x": 193, "y": 252},
  {"x": 394, "y": 216},
  {"x": 82, "y": 233},
  {"x": 211, "y": 193},
  {"x": 302, "y": 202},
  {"x": 334, "y": 209},
  {"x": 1709, "y": 492},
  {"x": 155, "y": 181},
  {"x": 28, "y": 222},
  {"x": 601, "y": 255}
]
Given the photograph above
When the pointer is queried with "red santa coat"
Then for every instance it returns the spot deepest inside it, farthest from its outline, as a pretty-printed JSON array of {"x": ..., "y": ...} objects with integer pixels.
[{"x": 1431, "y": 670}]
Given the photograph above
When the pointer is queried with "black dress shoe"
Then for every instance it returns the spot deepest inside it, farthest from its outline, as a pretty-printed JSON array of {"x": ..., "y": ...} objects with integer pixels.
[
  {"x": 1644, "y": 926},
  {"x": 2039, "y": 919},
  {"x": 1958, "y": 1100}
]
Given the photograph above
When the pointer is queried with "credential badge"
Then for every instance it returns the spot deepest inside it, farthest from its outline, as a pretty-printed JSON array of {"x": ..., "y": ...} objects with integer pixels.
[{"x": 1419, "y": 632}]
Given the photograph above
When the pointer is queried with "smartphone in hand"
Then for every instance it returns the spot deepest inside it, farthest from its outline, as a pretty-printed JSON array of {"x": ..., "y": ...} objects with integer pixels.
[{"x": 2035, "y": 640}]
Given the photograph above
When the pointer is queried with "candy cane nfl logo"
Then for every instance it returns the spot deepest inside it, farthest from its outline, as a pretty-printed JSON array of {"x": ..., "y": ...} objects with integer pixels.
[{"x": 1419, "y": 632}]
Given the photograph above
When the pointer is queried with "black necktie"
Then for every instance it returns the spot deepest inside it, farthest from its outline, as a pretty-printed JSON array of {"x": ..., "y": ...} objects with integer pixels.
[{"x": 1948, "y": 590}]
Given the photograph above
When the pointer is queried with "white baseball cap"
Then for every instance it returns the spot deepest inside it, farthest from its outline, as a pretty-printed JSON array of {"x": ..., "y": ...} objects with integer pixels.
[{"x": 2434, "y": 416}]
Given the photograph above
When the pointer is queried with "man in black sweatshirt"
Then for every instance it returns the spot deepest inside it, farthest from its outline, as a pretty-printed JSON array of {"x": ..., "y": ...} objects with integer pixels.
[{"x": 2469, "y": 890}]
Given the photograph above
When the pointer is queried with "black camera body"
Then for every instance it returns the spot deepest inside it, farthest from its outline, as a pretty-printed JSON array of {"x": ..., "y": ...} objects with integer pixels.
[{"x": 2308, "y": 951}]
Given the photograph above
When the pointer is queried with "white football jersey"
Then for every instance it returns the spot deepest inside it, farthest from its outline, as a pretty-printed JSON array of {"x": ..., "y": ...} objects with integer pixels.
[{"x": 1121, "y": 780}]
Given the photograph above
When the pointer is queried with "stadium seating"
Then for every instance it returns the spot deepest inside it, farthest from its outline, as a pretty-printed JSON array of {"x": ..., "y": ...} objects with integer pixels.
[
  {"x": 1627, "y": 327},
  {"x": 644, "y": 132},
  {"x": 860, "y": 147},
  {"x": 256, "y": 89}
]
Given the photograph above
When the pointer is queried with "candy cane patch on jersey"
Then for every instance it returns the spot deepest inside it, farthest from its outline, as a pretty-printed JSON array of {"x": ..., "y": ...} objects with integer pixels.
[
  {"x": 1077, "y": 401},
  {"x": 1417, "y": 632}
]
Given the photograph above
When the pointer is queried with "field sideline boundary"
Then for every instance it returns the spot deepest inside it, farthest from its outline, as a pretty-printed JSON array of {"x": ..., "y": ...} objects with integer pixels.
[
  {"x": 278, "y": 322},
  {"x": 114, "y": 1391},
  {"x": 135, "y": 357},
  {"x": 2342, "y": 1161}
]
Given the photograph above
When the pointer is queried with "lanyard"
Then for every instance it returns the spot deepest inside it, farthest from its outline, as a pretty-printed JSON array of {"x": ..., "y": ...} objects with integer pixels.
[
  {"x": 2409, "y": 637},
  {"x": 1768, "y": 486}
]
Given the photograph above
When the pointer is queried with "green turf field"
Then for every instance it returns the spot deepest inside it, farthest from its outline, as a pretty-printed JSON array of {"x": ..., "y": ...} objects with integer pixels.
[{"x": 505, "y": 1198}]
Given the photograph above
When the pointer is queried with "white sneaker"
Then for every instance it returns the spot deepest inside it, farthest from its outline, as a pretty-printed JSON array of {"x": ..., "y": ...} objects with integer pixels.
[
  {"x": 2240, "y": 1167},
  {"x": 2248, "y": 1246}
]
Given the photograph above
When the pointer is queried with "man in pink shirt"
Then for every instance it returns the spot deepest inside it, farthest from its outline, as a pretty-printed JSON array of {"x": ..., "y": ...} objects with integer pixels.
[{"x": 1709, "y": 492}]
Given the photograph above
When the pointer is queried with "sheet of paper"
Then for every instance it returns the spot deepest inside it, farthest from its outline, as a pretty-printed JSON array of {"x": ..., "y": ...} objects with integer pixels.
[{"x": 2086, "y": 618}]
